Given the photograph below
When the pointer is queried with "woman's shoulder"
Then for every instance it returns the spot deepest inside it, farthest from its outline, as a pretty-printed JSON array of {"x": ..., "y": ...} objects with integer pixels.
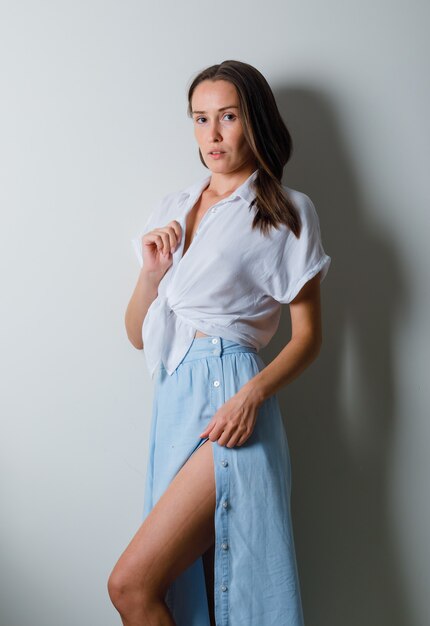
[
  {"x": 173, "y": 198},
  {"x": 307, "y": 212},
  {"x": 301, "y": 200}
]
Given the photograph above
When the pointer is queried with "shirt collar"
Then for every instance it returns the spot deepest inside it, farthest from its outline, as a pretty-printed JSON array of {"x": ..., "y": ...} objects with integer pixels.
[{"x": 245, "y": 190}]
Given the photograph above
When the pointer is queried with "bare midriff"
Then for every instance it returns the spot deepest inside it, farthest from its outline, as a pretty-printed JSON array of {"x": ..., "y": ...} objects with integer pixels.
[{"x": 200, "y": 334}]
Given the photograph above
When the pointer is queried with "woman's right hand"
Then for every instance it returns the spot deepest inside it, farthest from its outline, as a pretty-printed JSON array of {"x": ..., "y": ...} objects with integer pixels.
[{"x": 158, "y": 246}]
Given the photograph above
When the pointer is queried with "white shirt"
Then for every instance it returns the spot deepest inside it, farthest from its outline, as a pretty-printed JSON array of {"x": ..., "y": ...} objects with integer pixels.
[{"x": 232, "y": 279}]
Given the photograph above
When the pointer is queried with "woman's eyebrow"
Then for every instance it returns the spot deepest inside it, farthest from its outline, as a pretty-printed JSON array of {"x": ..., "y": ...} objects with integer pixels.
[{"x": 231, "y": 106}]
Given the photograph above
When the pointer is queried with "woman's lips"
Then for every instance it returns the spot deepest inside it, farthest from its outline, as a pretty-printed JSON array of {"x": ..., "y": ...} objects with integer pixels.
[{"x": 216, "y": 155}]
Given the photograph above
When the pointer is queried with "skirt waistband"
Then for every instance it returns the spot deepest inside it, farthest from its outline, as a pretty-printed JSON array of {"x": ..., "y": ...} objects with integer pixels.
[{"x": 213, "y": 345}]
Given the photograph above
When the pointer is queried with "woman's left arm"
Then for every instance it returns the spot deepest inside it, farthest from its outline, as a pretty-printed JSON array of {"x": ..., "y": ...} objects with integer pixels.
[
  {"x": 234, "y": 421},
  {"x": 302, "y": 349}
]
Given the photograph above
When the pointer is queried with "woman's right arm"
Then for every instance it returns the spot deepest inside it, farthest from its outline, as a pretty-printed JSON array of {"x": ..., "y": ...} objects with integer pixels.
[
  {"x": 157, "y": 249},
  {"x": 144, "y": 294}
]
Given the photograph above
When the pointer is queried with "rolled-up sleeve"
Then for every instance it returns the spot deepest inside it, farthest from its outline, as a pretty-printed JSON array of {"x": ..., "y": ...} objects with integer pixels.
[{"x": 297, "y": 260}]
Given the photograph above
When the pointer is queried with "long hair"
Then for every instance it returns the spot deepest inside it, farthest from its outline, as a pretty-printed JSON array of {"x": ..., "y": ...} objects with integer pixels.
[{"x": 266, "y": 134}]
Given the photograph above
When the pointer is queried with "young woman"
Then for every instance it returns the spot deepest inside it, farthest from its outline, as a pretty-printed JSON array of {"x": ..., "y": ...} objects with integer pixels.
[{"x": 218, "y": 259}]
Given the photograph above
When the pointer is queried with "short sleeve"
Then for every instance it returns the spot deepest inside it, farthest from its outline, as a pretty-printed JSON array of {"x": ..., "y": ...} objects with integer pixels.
[
  {"x": 298, "y": 259},
  {"x": 156, "y": 218}
]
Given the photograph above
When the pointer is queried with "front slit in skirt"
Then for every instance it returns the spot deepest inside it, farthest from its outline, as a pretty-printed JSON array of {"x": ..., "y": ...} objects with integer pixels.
[{"x": 256, "y": 577}]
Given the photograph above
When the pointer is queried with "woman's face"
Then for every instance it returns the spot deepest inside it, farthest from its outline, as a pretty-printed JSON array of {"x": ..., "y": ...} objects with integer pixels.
[{"x": 217, "y": 126}]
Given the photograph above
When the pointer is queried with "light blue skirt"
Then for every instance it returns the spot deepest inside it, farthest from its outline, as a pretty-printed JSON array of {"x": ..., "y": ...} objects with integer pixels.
[{"x": 256, "y": 577}]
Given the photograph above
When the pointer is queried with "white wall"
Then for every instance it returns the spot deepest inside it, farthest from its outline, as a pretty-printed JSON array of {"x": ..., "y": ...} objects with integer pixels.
[{"x": 92, "y": 111}]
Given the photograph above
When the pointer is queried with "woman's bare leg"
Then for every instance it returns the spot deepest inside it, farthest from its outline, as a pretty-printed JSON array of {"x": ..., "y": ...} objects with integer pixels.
[{"x": 179, "y": 528}]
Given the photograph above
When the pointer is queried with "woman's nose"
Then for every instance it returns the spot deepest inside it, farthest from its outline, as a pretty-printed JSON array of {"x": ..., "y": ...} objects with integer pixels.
[{"x": 214, "y": 132}]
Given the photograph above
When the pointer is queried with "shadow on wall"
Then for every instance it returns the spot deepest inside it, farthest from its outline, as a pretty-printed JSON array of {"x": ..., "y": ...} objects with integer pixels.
[{"x": 339, "y": 414}]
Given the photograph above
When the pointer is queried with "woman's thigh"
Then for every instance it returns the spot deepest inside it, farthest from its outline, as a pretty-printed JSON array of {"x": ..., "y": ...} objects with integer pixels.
[{"x": 179, "y": 528}]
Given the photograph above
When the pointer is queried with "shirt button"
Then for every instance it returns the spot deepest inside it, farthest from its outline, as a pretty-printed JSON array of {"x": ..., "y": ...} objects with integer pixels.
[
  {"x": 214, "y": 340},
  {"x": 225, "y": 504},
  {"x": 224, "y": 545},
  {"x": 216, "y": 383},
  {"x": 224, "y": 463},
  {"x": 223, "y": 587}
]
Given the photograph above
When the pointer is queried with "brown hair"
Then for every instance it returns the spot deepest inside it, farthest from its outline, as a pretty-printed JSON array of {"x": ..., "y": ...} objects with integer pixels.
[{"x": 268, "y": 137}]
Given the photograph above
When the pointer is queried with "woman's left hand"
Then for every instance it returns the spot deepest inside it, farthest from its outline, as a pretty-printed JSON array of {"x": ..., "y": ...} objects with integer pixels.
[{"x": 234, "y": 421}]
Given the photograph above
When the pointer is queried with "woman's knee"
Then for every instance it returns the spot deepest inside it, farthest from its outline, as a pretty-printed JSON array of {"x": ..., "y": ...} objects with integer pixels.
[{"x": 128, "y": 590}]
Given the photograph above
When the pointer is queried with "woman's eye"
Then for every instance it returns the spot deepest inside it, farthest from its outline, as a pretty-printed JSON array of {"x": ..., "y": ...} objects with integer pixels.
[{"x": 203, "y": 118}]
